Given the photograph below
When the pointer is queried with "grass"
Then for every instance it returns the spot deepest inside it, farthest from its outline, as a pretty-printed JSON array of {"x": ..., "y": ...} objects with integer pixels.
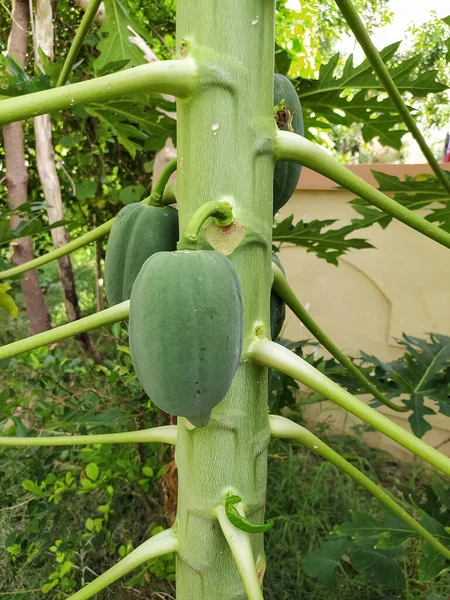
[{"x": 306, "y": 498}]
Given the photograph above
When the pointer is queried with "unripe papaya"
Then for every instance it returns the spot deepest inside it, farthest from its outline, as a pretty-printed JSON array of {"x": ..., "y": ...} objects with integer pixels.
[
  {"x": 288, "y": 118},
  {"x": 277, "y": 307},
  {"x": 186, "y": 331},
  {"x": 139, "y": 230}
]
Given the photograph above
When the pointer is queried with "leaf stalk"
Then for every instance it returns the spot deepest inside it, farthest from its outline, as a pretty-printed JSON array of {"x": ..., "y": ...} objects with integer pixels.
[
  {"x": 373, "y": 56},
  {"x": 295, "y": 148},
  {"x": 285, "y": 292},
  {"x": 285, "y": 428},
  {"x": 275, "y": 356},
  {"x": 116, "y": 313}
]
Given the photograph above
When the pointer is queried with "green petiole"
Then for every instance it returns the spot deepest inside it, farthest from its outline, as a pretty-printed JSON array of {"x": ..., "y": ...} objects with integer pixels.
[
  {"x": 176, "y": 77},
  {"x": 116, "y": 313},
  {"x": 221, "y": 211},
  {"x": 80, "y": 242},
  {"x": 166, "y": 434},
  {"x": 295, "y": 148},
  {"x": 283, "y": 289},
  {"x": 78, "y": 40},
  {"x": 284, "y": 428},
  {"x": 357, "y": 26},
  {"x": 275, "y": 356}
]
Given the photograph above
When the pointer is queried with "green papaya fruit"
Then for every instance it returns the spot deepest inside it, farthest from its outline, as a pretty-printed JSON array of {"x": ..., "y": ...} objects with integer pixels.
[{"x": 288, "y": 118}]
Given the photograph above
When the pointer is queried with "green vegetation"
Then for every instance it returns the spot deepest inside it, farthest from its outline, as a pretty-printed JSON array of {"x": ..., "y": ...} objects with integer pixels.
[{"x": 103, "y": 490}]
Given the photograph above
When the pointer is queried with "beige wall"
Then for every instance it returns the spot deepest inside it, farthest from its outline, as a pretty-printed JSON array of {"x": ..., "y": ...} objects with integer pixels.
[{"x": 402, "y": 285}]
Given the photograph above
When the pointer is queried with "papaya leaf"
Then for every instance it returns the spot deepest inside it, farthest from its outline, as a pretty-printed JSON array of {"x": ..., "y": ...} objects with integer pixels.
[
  {"x": 353, "y": 94},
  {"x": 131, "y": 193},
  {"x": 375, "y": 547},
  {"x": 14, "y": 81},
  {"x": 7, "y": 301},
  {"x": 85, "y": 189},
  {"x": 115, "y": 47},
  {"x": 431, "y": 506},
  {"x": 415, "y": 193},
  {"x": 25, "y": 228},
  {"x": 112, "y": 67},
  {"x": 50, "y": 68},
  {"x": 442, "y": 491},
  {"x": 282, "y": 60},
  {"x": 137, "y": 124},
  {"x": 423, "y": 372},
  {"x": 317, "y": 236},
  {"x": 241, "y": 522},
  {"x": 432, "y": 564}
]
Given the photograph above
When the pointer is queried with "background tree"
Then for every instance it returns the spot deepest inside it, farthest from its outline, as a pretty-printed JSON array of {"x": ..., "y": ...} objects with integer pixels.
[
  {"x": 17, "y": 178},
  {"x": 46, "y": 167}
]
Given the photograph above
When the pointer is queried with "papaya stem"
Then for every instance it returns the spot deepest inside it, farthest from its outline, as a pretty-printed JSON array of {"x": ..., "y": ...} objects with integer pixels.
[
  {"x": 286, "y": 293},
  {"x": 373, "y": 56},
  {"x": 158, "y": 545},
  {"x": 285, "y": 428},
  {"x": 169, "y": 196},
  {"x": 166, "y": 434},
  {"x": 177, "y": 77},
  {"x": 275, "y": 356},
  {"x": 78, "y": 40},
  {"x": 73, "y": 245},
  {"x": 295, "y": 148},
  {"x": 116, "y": 313},
  {"x": 241, "y": 549},
  {"x": 221, "y": 211},
  {"x": 156, "y": 198}
]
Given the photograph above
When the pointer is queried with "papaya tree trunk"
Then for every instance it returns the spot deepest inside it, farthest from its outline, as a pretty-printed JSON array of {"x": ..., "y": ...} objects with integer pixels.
[
  {"x": 225, "y": 146},
  {"x": 45, "y": 158},
  {"x": 17, "y": 179}
]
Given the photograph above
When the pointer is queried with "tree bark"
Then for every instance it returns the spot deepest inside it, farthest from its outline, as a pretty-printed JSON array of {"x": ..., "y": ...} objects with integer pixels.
[
  {"x": 17, "y": 179},
  {"x": 48, "y": 175}
]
